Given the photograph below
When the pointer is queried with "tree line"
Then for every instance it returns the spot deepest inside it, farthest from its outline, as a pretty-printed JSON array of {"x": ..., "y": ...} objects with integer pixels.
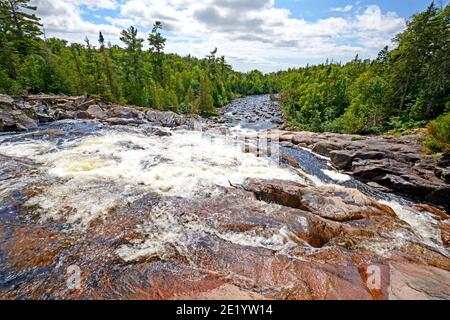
[
  {"x": 402, "y": 88},
  {"x": 126, "y": 74}
]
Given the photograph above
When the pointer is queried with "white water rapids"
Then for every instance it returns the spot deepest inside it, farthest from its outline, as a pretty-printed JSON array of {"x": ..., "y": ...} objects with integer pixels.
[{"x": 96, "y": 173}]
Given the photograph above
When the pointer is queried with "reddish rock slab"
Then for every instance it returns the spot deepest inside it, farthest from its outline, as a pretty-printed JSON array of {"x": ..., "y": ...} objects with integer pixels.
[{"x": 330, "y": 202}]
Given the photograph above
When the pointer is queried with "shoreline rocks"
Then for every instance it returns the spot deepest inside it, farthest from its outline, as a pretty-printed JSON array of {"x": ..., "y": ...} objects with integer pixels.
[
  {"x": 329, "y": 202},
  {"x": 271, "y": 239},
  {"x": 398, "y": 164},
  {"x": 26, "y": 113}
]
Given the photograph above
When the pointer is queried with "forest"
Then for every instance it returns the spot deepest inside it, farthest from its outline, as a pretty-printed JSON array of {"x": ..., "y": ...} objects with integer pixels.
[
  {"x": 403, "y": 88},
  {"x": 126, "y": 74}
]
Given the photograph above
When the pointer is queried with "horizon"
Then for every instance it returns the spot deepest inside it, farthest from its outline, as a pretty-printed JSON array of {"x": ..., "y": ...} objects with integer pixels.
[{"x": 265, "y": 35}]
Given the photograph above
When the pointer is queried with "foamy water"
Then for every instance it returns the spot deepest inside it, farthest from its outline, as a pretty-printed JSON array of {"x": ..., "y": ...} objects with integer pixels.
[
  {"x": 165, "y": 235},
  {"x": 94, "y": 175},
  {"x": 183, "y": 164},
  {"x": 337, "y": 176}
]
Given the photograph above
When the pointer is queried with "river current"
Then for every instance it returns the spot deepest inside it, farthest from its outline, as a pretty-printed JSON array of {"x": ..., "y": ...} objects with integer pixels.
[{"x": 69, "y": 175}]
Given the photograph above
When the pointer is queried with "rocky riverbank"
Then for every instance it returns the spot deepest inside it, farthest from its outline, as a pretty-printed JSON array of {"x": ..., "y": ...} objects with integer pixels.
[
  {"x": 26, "y": 113},
  {"x": 391, "y": 164},
  {"x": 152, "y": 205}
]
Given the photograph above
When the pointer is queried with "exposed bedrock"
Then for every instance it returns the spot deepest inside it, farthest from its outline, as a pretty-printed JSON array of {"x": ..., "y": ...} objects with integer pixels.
[
  {"x": 22, "y": 114},
  {"x": 396, "y": 163},
  {"x": 69, "y": 197}
]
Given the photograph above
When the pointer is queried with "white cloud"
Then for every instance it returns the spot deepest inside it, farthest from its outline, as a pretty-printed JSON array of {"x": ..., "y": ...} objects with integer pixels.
[
  {"x": 374, "y": 20},
  {"x": 347, "y": 8},
  {"x": 251, "y": 33},
  {"x": 63, "y": 19}
]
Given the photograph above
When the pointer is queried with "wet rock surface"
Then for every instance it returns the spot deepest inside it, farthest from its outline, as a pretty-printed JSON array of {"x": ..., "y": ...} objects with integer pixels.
[
  {"x": 399, "y": 164},
  {"x": 121, "y": 199},
  {"x": 25, "y": 113},
  {"x": 257, "y": 113}
]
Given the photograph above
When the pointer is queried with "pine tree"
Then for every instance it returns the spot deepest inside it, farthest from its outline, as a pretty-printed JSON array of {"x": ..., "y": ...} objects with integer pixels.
[
  {"x": 205, "y": 101},
  {"x": 133, "y": 65},
  {"x": 157, "y": 44},
  {"x": 76, "y": 55},
  {"x": 111, "y": 91},
  {"x": 19, "y": 24},
  {"x": 189, "y": 102}
]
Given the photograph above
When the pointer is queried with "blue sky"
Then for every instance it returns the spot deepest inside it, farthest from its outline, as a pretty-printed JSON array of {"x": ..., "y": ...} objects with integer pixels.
[
  {"x": 253, "y": 34},
  {"x": 320, "y": 9}
]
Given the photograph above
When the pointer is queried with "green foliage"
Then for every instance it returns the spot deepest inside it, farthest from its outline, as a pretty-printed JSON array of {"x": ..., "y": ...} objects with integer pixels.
[
  {"x": 439, "y": 134},
  {"x": 419, "y": 67},
  {"x": 400, "y": 125},
  {"x": 128, "y": 75},
  {"x": 19, "y": 25},
  {"x": 403, "y": 88},
  {"x": 205, "y": 101}
]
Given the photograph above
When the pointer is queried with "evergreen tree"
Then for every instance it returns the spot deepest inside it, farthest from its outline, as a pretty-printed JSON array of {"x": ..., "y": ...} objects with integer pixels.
[
  {"x": 190, "y": 107},
  {"x": 110, "y": 89},
  {"x": 205, "y": 102},
  {"x": 133, "y": 65},
  {"x": 157, "y": 44},
  {"x": 19, "y": 24}
]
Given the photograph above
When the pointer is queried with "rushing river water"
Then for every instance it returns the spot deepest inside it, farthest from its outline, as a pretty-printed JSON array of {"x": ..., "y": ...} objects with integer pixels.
[{"x": 105, "y": 198}]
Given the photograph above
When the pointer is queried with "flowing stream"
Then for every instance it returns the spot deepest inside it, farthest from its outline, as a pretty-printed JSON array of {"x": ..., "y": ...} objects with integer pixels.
[{"x": 143, "y": 196}]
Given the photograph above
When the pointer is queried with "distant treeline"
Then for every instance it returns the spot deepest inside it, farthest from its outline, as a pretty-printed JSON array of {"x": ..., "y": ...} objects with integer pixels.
[
  {"x": 125, "y": 74},
  {"x": 402, "y": 88}
]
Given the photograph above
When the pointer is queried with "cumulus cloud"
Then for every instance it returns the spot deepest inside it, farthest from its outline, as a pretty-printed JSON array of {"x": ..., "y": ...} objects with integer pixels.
[
  {"x": 64, "y": 19},
  {"x": 251, "y": 33}
]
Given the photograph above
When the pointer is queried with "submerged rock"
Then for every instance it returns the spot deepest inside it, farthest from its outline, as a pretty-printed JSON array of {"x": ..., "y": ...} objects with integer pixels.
[{"x": 144, "y": 218}]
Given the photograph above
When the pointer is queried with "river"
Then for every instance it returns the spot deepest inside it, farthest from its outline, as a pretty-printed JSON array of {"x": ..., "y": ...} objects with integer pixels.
[{"x": 92, "y": 211}]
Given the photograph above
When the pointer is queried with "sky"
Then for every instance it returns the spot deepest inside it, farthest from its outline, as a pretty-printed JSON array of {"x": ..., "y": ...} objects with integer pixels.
[{"x": 268, "y": 35}]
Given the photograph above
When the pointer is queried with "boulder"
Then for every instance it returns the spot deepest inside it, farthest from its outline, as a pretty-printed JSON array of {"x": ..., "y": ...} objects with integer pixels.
[
  {"x": 64, "y": 115},
  {"x": 82, "y": 115},
  {"x": 12, "y": 119},
  {"x": 325, "y": 148},
  {"x": 6, "y": 101},
  {"x": 95, "y": 112},
  {"x": 163, "y": 119},
  {"x": 23, "y": 122},
  {"x": 329, "y": 202},
  {"x": 123, "y": 121},
  {"x": 367, "y": 170},
  {"x": 44, "y": 118},
  {"x": 440, "y": 196},
  {"x": 342, "y": 160},
  {"x": 123, "y": 112}
]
